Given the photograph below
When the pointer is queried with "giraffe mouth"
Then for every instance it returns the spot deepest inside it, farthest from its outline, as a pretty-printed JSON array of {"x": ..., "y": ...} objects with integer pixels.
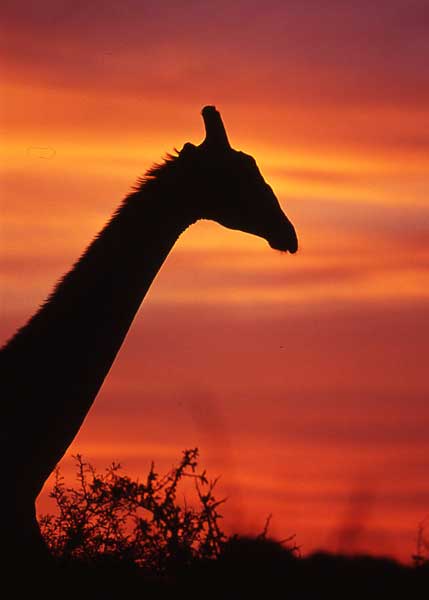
[
  {"x": 282, "y": 247},
  {"x": 286, "y": 242}
]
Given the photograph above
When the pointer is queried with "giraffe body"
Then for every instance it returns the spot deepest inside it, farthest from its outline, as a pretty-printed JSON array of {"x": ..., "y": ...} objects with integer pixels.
[{"x": 53, "y": 367}]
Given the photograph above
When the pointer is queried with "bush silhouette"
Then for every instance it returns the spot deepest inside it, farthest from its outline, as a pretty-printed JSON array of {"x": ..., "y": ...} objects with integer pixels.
[
  {"x": 160, "y": 545},
  {"x": 110, "y": 516}
]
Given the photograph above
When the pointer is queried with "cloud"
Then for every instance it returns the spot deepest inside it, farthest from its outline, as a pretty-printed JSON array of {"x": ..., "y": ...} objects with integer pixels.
[
  {"x": 330, "y": 53},
  {"x": 319, "y": 355}
]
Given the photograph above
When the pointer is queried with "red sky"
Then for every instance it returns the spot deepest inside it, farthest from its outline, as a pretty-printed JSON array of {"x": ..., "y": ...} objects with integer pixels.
[{"x": 302, "y": 379}]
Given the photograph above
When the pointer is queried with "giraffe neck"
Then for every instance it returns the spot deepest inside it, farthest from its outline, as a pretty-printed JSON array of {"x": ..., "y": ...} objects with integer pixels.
[{"x": 55, "y": 366}]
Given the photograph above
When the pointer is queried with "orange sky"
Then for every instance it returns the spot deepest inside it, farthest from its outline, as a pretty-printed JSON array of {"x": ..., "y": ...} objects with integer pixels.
[{"x": 302, "y": 379}]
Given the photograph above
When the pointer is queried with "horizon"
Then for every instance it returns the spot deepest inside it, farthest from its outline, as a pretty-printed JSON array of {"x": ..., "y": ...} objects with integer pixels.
[{"x": 302, "y": 379}]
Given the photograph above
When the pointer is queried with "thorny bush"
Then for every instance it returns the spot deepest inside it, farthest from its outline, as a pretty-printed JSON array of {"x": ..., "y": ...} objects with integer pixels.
[{"x": 110, "y": 516}]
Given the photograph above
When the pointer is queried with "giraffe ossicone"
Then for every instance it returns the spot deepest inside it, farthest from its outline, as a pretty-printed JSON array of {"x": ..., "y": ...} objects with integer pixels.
[{"x": 215, "y": 129}]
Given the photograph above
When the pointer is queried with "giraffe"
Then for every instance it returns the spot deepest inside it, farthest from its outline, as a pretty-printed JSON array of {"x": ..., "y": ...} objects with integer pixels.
[{"x": 54, "y": 366}]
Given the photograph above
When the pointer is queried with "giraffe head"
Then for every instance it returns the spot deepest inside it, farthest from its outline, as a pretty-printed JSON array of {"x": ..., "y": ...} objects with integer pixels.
[{"x": 231, "y": 189}]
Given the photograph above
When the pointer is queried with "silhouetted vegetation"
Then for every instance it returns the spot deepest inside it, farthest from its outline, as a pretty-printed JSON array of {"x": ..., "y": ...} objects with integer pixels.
[
  {"x": 109, "y": 516},
  {"x": 421, "y": 557},
  {"x": 115, "y": 536}
]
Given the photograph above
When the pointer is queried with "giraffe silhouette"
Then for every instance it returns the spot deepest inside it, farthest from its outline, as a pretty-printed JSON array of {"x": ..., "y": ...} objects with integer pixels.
[{"x": 54, "y": 366}]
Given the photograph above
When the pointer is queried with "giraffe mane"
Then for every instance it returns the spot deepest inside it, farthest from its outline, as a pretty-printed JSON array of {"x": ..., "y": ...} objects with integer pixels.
[
  {"x": 156, "y": 170},
  {"x": 153, "y": 174}
]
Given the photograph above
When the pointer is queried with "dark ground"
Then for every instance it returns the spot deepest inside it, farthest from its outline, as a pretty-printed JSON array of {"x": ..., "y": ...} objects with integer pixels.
[{"x": 247, "y": 569}]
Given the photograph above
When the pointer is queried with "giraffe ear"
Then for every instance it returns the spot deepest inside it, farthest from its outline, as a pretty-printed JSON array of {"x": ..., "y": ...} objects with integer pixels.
[
  {"x": 188, "y": 148},
  {"x": 216, "y": 137}
]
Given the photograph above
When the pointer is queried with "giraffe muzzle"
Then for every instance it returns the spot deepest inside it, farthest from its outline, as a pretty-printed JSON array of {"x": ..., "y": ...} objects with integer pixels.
[{"x": 284, "y": 239}]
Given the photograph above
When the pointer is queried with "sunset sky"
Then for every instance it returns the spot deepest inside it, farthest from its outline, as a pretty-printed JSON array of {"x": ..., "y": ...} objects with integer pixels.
[{"x": 302, "y": 379}]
